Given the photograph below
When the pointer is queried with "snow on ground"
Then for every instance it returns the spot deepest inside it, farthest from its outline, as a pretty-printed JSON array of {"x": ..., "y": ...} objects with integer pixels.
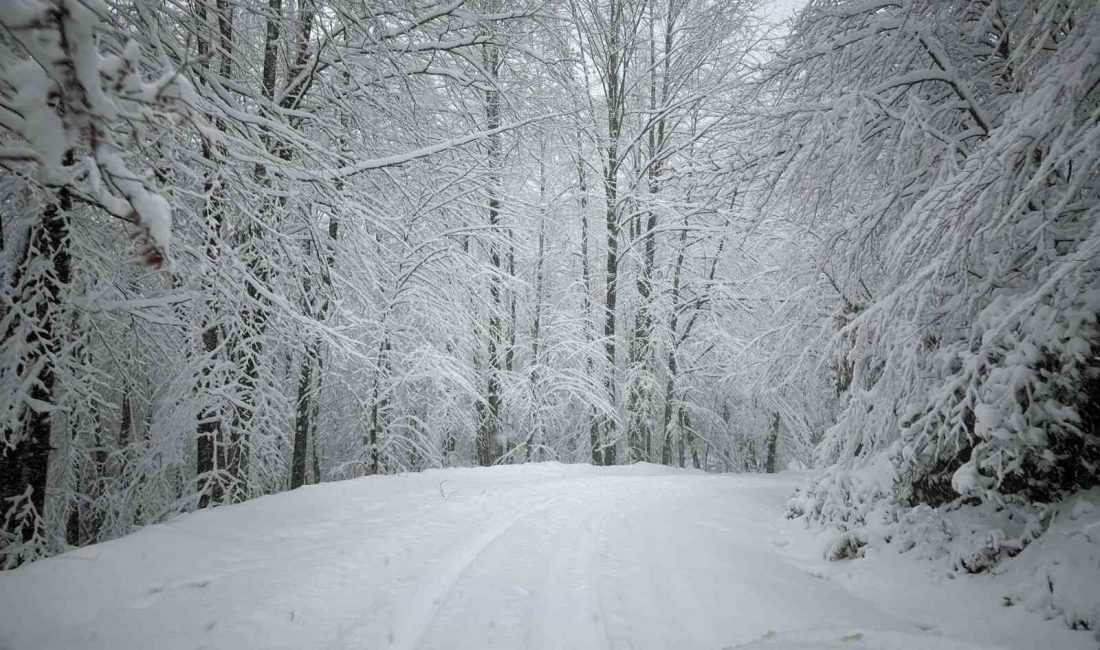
[{"x": 535, "y": 556}]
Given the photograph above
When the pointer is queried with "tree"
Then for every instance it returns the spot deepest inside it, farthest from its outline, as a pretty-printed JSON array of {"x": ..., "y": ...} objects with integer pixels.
[
  {"x": 69, "y": 105},
  {"x": 958, "y": 240}
]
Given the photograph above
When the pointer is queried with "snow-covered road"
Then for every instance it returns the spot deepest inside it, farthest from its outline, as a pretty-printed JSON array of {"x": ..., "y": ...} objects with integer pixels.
[{"x": 537, "y": 556}]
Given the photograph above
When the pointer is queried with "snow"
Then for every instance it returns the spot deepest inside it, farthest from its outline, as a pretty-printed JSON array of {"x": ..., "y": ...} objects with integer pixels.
[
  {"x": 156, "y": 215},
  {"x": 43, "y": 128},
  {"x": 857, "y": 640},
  {"x": 533, "y": 556},
  {"x": 1059, "y": 574},
  {"x": 966, "y": 479}
]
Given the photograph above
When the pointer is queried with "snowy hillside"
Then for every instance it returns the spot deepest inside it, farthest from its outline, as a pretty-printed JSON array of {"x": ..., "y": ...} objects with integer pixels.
[{"x": 533, "y": 556}]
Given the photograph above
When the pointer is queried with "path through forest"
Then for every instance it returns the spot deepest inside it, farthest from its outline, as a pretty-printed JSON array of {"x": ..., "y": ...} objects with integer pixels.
[{"x": 536, "y": 556}]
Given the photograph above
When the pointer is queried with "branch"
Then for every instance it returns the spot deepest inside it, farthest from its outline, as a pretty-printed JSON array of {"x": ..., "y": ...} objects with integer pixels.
[{"x": 400, "y": 159}]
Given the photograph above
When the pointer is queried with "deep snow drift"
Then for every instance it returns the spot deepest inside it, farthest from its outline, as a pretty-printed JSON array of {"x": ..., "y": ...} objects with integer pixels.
[{"x": 535, "y": 556}]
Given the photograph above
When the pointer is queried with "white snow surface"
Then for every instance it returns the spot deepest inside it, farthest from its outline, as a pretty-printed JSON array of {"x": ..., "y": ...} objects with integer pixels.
[{"x": 533, "y": 556}]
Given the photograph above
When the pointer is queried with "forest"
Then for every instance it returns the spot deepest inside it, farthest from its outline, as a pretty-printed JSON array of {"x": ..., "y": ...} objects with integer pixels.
[{"x": 251, "y": 245}]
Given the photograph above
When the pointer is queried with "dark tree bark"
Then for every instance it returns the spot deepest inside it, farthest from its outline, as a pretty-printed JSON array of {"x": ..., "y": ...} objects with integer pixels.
[
  {"x": 586, "y": 277},
  {"x": 24, "y": 468},
  {"x": 488, "y": 436},
  {"x": 302, "y": 416},
  {"x": 209, "y": 457},
  {"x": 772, "y": 465}
]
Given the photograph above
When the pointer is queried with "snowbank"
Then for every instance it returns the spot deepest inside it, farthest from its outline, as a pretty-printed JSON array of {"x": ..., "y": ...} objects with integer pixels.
[{"x": 1043, "y": 558}]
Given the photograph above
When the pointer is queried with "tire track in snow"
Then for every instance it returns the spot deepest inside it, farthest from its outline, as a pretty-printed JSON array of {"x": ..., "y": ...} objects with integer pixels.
[
  {"x": 408, "y": 632},
  {"x": 531, "y": 578}
]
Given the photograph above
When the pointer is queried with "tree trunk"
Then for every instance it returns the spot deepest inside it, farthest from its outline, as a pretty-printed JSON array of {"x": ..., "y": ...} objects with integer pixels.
[
  {"x": 614, "y": 89},
  {"x": 671, "y": 403},
  {"x": 209, "y": 444},
  {"x": 586, "y": 303},
  {"x": 24, "y": 464},
  {"x": 535, "y": 437},
  {"x": 773, "y": 446},
  {"x": 302, "y": 416},
  {"x": 488, "y": 439}
]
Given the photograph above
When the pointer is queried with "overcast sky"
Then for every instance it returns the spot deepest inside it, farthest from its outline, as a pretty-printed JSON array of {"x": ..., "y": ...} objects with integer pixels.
[{"x": 779, "y": 10}]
